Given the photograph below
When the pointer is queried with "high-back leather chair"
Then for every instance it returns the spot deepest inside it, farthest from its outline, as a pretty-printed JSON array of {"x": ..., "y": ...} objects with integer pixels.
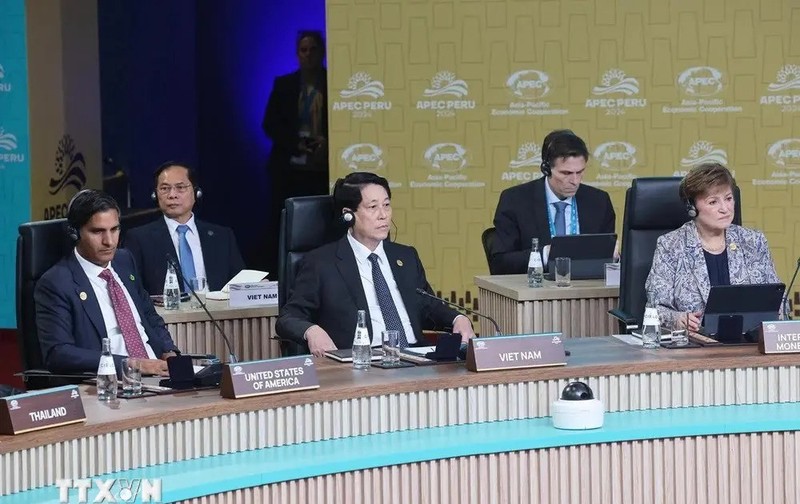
[
  {"x": 653, "y": 207},
  {"x": 487, "y": 238},
  {"x": 307, "y": 222},
  {"x": 39, "y": 246}
]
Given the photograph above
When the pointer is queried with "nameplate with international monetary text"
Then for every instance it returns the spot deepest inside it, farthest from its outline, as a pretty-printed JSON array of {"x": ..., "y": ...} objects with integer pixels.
[
  {"x": 515, "y": 352},
  {"x": 41, "y": 409},
  {"x": 243, "y": 295},
  {"x": 779, "y": 336},
  {"x": 271, "y": 376}
]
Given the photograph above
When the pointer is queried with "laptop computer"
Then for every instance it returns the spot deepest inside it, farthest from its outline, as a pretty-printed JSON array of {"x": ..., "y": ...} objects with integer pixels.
[
  {"x": 589, "y": 254},
  {"x": 734, "y": 312}
]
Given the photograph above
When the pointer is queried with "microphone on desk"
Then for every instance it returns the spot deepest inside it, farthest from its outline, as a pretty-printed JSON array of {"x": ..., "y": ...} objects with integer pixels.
[
  {"x": 211, "y": 374},
  {"x": 497, "y": 330},
  {"x": 785, "y": 303}
]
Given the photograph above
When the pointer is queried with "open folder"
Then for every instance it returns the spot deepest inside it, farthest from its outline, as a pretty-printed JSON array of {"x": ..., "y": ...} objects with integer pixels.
[{"x": 244, "y": 276}]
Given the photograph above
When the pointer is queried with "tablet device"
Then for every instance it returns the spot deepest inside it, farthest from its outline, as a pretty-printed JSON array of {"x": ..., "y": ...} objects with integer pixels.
[
  {"x": 589, "y": 254},
  {"x": 734, "y": 312}
]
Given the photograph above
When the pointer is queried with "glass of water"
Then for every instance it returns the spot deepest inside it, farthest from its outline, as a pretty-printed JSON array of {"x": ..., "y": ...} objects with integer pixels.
[
  {"x": 200, "y": 286},
  {"x": 131, "y": 377},
  {"x": 391, "y": 348},
  {"x": 680, "y": 337},
  {"x": 563, "y": 271}
]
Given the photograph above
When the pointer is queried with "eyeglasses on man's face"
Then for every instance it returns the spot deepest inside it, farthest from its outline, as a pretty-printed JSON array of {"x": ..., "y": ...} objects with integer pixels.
[{"x": 165, "y": 189}]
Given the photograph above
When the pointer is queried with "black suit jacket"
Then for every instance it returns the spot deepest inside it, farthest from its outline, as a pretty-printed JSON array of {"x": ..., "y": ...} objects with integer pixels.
[
  {"x": 151, "y": 243},
  {"x": 69, "y": 320},
  {"x": 522, "y": 214},
  {"x": 281, "y": 121},
  {"x": 328, "y": 292}
]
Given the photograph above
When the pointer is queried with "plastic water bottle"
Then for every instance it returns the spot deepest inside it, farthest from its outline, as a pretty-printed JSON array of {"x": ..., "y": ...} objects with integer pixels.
[
  {"x": 172, "y": 290},
  {"x": 362, "y": 348},
  {"x": 106, "y": 374},
  {"x": 535, "y": 268},
  {"x": 651, "y": 329}
]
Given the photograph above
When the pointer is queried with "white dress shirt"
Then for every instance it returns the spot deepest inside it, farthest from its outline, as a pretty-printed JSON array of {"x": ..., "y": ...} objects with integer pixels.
[
  {"x": 551, "y": 210},
  {"x": 193, "y": 237},
  {"x": 100, "y": 288},
  {"x": 365, "y": 272}
]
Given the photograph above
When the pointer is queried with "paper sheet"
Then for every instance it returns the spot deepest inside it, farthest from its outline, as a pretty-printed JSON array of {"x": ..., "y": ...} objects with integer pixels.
[{"x": 244, "y": 276}]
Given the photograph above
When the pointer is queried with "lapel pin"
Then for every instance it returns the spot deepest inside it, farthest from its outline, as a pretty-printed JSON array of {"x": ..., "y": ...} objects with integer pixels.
[
  {"x": 733, "y": 246},
  {"x": 83, "y": 296},
  {"x": 210, "y": 233},
  {"x": 399, "y": 262},
  {"x": 132, "y": 278}
]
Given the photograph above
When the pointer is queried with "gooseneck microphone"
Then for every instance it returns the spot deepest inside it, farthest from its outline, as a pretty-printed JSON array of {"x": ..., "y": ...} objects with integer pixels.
[
  {"x": 423, "y": 292},
  {"x": 785, "y": 302}
]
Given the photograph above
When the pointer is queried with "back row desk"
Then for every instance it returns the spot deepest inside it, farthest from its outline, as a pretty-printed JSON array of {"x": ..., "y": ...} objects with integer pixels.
[
  {"x": 353, "y": 409},
  {"x": 577, "y": 311}
]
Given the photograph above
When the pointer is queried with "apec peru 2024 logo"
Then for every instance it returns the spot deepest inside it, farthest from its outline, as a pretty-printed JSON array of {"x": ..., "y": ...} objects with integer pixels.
[
  {"x": 525, "y": 167},
  {"x": 616, "y": 93},
  {"x": 446, "y": 95},
  {"x": 784, "y": 90},
  {"x": 362, "y": 96}
]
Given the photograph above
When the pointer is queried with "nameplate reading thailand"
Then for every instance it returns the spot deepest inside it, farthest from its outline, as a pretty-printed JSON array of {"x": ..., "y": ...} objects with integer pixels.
[
  {"x": 41, "y": 409},
  {"x": 515, "y": 352},
  {"x": 272, "y": 376},
  {"x": 243, "y": 295},
  {"x": 780, "y": 336}
]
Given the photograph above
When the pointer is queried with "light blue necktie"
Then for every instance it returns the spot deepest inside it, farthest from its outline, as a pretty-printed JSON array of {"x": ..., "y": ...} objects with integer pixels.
[
  {"x": 390, "y": 316},
  {"x": 186, "y": 257},
  {"x": 560, "y": 220}
]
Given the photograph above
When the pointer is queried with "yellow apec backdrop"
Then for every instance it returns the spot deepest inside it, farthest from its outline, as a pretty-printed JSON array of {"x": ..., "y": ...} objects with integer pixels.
[{"x": 450, "y": 101}]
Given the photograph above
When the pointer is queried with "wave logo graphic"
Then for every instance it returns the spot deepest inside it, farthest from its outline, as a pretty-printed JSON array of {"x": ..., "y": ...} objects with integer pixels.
[
  {"x": 2, "y": 72},
  {"x": 788, "y": 78},
  {"x": 70, "y": 167},
  {"x": 529, "y": 155},
  {"x": 361, "y": 84},
  {"x": 529, "y": 84},
  {"x": 616, "y": 156},
  {"x": 363, "y": 157},
  {"x": 445, "y": 83},
  {"x": 704, "y": 152},
  {"x": 7, "y": 141},
  {"x": 447, "y": 157},
  {"x": 615, "y": 81},
  {"x": 701, "y": 81},
  {"x": 785, "y": 153}
]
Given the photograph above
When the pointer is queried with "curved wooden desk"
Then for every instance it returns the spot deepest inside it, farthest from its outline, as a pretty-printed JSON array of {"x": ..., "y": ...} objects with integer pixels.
[
  {"x": 249, "y": 329},
  {"x": 577, "y": 311},
  {"x": 187, "y": 426}
]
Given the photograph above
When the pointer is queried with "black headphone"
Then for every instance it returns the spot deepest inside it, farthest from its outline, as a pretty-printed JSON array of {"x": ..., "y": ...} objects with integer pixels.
[
  {"x": 198, "y": 193},
  {"x": 547, "y": 161},
  {"x": 72, "y": 232}
]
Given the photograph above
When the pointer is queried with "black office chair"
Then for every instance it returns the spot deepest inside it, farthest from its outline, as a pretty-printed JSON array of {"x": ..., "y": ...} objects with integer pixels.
[
  {"x": 39, "y": 246},
  {"x": 133, "y": 218},
  {"x": 307, "y": 222},
  {"x": 487, "y": 238},
  {"x": 653, "y": 207}
]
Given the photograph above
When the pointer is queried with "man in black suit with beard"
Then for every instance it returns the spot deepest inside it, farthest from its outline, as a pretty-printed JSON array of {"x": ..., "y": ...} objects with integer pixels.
[
  {"x": 203, "y": 249},
  {"x": 556, "y": 204},
  {"x": 363, "y": 271}
]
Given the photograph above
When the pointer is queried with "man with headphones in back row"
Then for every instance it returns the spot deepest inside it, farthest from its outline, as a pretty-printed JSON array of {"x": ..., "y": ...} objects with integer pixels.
[
  {"x": 363, "y": 271},
  {"x": 203, "y": 249},
  {"x": 554, "y": 205},
  {"x": 94, "y": 292}
]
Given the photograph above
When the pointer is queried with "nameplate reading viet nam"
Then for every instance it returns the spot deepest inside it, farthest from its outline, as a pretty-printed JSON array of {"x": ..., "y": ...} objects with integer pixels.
[
  {"x": 41, "y": 409},
  {"x": 253, "y": 294},
  {"x": 515, "y": 352},
  {"x": 780, "y": 336},
  {"x": 272, "y": 376}
]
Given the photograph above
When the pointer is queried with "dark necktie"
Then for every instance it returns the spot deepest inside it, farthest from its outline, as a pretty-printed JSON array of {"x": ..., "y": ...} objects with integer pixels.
[
  {"x": 186, "y": 257},
  {"x": 560, "y": 219},
  {"x": 390, "y": 316},
  {"x": 125, "y": 320}
]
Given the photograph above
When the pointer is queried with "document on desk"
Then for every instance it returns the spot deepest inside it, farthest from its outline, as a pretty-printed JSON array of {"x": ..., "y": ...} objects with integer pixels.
[{"x": 244, "y": 276}]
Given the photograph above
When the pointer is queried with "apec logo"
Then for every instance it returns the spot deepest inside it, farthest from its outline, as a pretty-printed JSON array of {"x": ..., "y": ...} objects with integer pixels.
[
  {"x": 361, "y": 96},
  {"x": 445, "y": 83},
  {"x": 361, "y": 84},
  {"x": 785, "y": 153},
  {"x": 529, "y": 84},
  {"x": 701, "y": 81},
  {"x": 615, "y": 81},
  {"x": 704, "y": 152},
  {"x": 529, "y": 155},
  {"x": 363, "y": 157},
  {"x": 7, "y": 141},
  {"x": 448, "y": 157},
  {"x": 788, "y": 78},
  {"x": 616, "y": 156},
  {"x": 5, "y": 87}
]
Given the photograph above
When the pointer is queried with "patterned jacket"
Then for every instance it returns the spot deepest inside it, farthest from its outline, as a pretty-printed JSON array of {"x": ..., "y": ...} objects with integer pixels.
[{"x": 678, "y": 280}]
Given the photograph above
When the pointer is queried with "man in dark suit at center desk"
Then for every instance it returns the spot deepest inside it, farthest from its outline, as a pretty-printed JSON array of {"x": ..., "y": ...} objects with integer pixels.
[
  {"x": 363, "y": 271},
  {"x": 203, "y": 249},
  {"x": 556, "y": 204}
]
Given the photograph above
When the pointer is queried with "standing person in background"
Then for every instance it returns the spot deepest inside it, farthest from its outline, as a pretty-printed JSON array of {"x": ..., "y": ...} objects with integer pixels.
[{"x": 296, "y": 120}]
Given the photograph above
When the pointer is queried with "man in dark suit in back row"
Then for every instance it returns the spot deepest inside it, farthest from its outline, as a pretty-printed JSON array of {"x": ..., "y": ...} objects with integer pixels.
[
  {"x": 203, "y": 249},
  {"x": 95, "y": 293},
  {"x": 363, "y": 271},
  {"x": 556, "y": 204}
]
